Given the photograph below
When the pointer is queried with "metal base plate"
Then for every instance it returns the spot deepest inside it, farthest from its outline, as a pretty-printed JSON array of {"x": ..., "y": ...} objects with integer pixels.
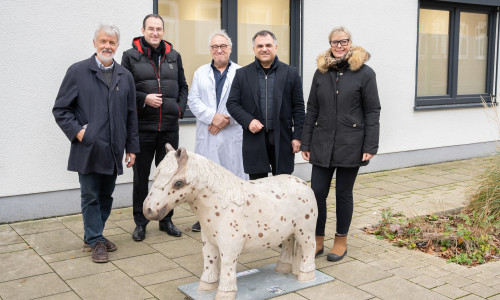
[{"x": 260, "y": 283}]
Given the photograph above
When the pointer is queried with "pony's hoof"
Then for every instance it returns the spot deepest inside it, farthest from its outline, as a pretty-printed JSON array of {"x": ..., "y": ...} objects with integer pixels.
[
  {"x": 282, "y": 267},
  {"x": 205, "y": 286},
  {"x": 225, "y": 295},
  {"x": 308, "y": 276}
]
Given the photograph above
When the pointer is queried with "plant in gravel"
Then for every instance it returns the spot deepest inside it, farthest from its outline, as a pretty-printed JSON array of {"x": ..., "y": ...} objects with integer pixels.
[
  {"x": 469, "y": 237},
  {"x": 386, "y": 215},
  {"x": 453, "y": 237}
]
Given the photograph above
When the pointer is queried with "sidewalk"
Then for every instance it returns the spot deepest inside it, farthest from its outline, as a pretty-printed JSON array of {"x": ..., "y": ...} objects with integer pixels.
[{"x": 43, "y": 259}]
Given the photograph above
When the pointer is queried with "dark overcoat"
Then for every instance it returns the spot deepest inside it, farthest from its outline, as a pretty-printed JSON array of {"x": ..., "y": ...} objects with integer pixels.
[
  {"x": 343, "y": 112},
  {"x": 243, "y": 105},
  {"x": 84, "y": 98}
]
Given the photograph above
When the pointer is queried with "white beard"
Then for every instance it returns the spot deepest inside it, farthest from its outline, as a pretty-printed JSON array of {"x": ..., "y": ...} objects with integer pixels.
[{"x": 103, "y": 58}]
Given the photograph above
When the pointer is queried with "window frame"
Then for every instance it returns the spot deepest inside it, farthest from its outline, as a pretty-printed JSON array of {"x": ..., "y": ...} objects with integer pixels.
[
  {"x": 452, "y": 99},
  {"x": 229, "y": 22}
]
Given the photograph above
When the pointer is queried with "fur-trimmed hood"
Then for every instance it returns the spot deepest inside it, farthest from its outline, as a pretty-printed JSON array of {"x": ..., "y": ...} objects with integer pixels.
[{"x": 356, "y": 60}]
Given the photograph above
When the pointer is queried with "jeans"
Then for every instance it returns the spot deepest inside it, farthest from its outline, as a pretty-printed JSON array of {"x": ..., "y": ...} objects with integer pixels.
[
  {"x": 96, "y": 190},
  {"x": 321, "y": 179},
  {"x": 152, "y": 145}
]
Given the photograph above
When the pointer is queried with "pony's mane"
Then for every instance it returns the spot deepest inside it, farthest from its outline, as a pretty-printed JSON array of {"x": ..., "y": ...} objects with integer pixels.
[{"x": 202, "y": 172}]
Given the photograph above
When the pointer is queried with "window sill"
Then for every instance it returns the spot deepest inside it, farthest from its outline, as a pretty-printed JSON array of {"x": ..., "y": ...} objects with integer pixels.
[
  {"x": 187, "y": 120},
  {"x": 446, "y": 106}
]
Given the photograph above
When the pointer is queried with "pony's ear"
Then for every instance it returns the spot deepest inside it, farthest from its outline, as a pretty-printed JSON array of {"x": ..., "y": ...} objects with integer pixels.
[
  {"x": 169, "y": 147},
  {"x": 182, "y": 156}
]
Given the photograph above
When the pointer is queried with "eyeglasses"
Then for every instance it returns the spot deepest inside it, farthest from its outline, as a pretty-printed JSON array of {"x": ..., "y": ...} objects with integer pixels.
[
  {"x": 341, "y": 42},
  {"x": 216, "y": 47},
  {"x": 159, "y": 29}
]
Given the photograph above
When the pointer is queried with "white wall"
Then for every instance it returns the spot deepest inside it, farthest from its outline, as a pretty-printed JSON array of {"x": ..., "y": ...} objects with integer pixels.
[
  {"x": 40, "y": 40},
  {"x": 388, "y": 30}
]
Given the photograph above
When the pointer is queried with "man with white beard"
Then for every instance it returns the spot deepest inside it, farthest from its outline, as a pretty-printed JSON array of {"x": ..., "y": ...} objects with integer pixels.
[{"x": 96, "y": 110}]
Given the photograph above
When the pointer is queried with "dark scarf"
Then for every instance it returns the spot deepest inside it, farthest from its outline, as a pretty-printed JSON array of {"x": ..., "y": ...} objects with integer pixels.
[{"x": 157, "y": 52}]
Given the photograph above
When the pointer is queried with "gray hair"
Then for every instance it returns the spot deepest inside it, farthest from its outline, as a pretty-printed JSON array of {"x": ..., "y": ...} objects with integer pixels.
[
  {"x": 108, "y": 29},
  {"x": 338, "y": 30},
  {"x": 265, "y": 33},
  {"x": 222, "y": 33}
]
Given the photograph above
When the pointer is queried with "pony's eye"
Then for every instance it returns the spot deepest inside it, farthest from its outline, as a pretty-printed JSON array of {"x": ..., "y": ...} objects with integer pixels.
[{"x": 178, "y": 184}]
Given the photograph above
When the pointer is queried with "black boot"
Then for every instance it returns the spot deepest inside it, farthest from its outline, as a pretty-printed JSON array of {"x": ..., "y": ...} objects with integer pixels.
[
  {"x": 139, "y": 233},
  {"x": 169, "y": 228},
  {"x": 196, "y": 227}
]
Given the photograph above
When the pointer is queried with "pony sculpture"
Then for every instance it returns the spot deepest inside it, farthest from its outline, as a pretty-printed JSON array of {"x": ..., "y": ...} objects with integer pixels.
[{"x": 237, "y": 215}]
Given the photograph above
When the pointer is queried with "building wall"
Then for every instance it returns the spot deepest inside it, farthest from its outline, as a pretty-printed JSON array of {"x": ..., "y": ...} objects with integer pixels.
[
  {"x": 391, "y": 38},
  {"x": 40, "y": 40}
]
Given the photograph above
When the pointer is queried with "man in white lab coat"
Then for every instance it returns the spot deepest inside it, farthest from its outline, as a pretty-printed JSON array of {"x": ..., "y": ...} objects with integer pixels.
[{"x": 218, "y": 136}]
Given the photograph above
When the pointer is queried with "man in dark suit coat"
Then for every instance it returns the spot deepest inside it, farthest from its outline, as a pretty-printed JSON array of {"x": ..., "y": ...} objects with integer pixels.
[
  {"x": 266, "y": 100},
  {"x": 96, "y": 110}
]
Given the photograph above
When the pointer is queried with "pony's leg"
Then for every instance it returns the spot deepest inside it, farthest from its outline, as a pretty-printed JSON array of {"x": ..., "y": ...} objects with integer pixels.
[
  {"x": 227, "y": 280},
  {"x": 304, "y": 264},
  {"x": 285, "y": 261},
  {"x": 297, "y": 258},
  {"x": 210, "y": 275}
]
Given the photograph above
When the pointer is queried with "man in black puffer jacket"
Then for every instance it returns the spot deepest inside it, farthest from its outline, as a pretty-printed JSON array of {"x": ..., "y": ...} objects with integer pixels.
[{"x": 161, "y": 100}]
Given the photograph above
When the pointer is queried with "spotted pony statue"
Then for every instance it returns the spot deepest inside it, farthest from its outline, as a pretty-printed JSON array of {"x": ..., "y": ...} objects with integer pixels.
[{"x": 237, "y": 216}]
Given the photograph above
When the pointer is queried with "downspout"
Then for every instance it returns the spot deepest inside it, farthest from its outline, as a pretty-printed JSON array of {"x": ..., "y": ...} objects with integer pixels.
[{"x": 497, "y": 53}]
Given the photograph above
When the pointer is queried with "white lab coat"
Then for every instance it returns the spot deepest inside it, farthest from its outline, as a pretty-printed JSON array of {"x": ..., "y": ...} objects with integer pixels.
[{"x": 223, "y": 148}]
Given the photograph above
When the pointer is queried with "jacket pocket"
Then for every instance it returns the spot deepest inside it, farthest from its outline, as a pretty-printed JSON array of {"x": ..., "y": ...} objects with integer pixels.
[
  {"x": 87, "y": 136},
  {"x": 349, "y": 133},
  {"x": 146, "y": 110},
  {"x": 349, "y": 121},
  {"x": 321, "y": 145}
]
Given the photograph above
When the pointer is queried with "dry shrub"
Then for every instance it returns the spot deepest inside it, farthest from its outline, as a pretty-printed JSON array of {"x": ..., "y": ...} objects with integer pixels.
[{"x": 484, "y": 197}]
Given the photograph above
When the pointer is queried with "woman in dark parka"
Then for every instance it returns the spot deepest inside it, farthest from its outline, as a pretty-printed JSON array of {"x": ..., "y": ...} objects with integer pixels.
[{"x": 341, "y": 130}]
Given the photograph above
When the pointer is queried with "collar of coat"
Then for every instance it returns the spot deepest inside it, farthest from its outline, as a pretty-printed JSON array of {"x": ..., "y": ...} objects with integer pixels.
[
  {"x": 357, "y": 59},
  {"x": 137, "y": 44},
  {"x": 273, "y": 65}
]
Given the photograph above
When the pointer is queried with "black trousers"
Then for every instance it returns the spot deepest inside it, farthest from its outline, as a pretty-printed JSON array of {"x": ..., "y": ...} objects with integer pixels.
[
  {"x": 321, "y": 179},
  {"x": 271, "y": 155},
  {"x": 152, "y": 145}
]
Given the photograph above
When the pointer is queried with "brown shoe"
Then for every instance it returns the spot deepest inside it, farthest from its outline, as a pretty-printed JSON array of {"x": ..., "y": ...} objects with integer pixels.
[
  {"x": 99, "y": 253},
  {"x": 110, "y": 246},
  {"x": 339, "y": 249}
]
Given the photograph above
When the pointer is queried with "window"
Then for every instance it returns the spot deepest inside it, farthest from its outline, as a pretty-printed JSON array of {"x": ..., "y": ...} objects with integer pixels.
[
  {"x": 255, "y": 15},
  {"x": 456, "y": 54},
  {"x": 189, "y": 23}
]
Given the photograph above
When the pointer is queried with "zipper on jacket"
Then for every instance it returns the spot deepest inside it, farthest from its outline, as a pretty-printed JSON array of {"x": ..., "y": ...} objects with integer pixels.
[
  {"x": 159, "y": 88},
  {"x": 157, "y": 74},
  {"x": 159, "y": 92},
  {"x": 267, "y": 127}
]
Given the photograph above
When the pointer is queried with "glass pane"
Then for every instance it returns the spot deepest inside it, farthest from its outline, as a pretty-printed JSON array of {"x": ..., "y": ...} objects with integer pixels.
[
  {"x": 256, "y": 15},
  {"x": 188, "y": 25},
  {"x": 433, "y": 48},
  {"x": 472, "y": 53}
]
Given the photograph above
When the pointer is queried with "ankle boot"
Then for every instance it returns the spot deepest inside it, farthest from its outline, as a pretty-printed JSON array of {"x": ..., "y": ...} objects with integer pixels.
[
  {"x": 339, "y": 249},
  {"x": 319, "y": 245}
]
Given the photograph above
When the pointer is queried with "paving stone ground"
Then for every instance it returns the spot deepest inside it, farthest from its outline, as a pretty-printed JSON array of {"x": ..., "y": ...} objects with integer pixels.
[{"x": 43, "y": 259}]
